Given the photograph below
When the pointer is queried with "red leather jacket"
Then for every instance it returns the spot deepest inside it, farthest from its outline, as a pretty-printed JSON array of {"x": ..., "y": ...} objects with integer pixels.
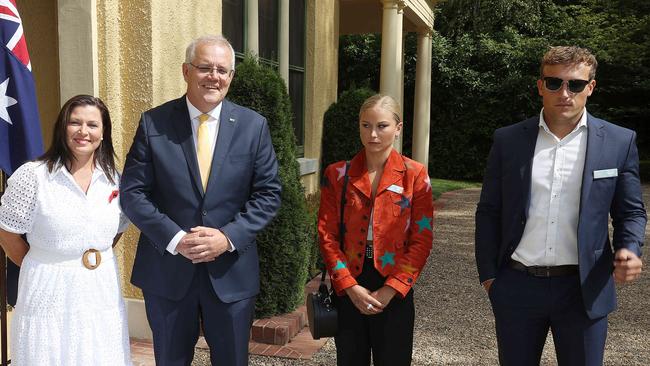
[{"x": 402, "y": 221}]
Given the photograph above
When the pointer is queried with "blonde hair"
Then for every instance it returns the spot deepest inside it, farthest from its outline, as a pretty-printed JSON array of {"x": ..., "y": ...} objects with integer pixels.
[
  {"x": 384, "y": 101},
  {"x": 569, "y": 55}
]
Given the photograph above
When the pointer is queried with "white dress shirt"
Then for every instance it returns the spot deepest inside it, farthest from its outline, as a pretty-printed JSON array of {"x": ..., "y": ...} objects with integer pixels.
[
  {"x": 550, "y": 236},
  {"x": 213, "y": 130}
]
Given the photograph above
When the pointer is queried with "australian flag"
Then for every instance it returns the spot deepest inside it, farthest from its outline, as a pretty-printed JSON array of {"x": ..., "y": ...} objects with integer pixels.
[{"x": 20, "y": 127}]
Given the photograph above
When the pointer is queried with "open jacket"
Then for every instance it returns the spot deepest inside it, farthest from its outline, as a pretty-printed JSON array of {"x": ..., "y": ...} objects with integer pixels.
[
  {"x": 502, "y": 211},
  {"x": 402, "y": 221}
]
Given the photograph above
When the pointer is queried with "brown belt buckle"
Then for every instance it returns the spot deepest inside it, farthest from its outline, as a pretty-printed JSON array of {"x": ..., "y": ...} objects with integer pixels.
[{"x": 86, "y": 262}]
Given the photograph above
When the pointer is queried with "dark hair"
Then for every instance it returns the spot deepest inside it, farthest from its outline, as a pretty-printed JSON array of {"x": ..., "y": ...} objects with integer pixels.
[
  {"x": 569, "y": 55},
  {"x": 59, "y": 152}
]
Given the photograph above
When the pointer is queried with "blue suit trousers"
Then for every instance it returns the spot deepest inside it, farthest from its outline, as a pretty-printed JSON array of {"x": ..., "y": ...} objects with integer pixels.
[{"x": 525, "y": 308}]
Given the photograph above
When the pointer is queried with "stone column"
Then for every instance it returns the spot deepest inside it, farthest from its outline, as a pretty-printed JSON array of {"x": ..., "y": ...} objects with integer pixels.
[
  {"x": 283, "y": 41},
  {"x": 252, "y": 27},
  {"x": 390, "y": 82},
  {"x": 422, "y": 108}
]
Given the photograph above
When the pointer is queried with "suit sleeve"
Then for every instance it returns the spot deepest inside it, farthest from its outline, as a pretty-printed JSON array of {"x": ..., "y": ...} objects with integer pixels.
[
  {"x": 488, "y": 216},
  {"x": 138, "y": 180},
  {"x": 264, "y": 200},
  {"x": 627, "y": 210},
  {"x": 328, "y": 232},
  {"x": 420, "y": 237}
]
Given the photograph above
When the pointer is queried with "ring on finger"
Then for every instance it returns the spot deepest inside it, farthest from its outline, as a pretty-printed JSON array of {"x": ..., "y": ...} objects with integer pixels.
[{"x": 370, "y": 307}]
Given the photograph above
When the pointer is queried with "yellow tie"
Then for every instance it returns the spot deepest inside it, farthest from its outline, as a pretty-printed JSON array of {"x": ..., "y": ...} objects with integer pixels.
[{"x": 203, "y": 149}]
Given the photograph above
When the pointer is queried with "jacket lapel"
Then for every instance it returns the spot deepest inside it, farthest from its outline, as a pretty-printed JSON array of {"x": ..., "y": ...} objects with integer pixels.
[
  {"x": 595, "y": 141},
  {"x": 180, "y": 119},
  {"x": 393, "y": 172},
  {"x": 529, "y": 140},
  {"x": 227, "y": 124},
  {"x": 359, "y": 174}
]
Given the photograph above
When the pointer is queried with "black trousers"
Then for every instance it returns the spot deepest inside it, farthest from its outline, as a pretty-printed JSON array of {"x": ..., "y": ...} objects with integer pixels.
[{"x": 388, "y": 335}]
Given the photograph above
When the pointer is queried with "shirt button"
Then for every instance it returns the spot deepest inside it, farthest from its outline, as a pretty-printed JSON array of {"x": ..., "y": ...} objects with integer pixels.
[{"x": 204, "y": 213}]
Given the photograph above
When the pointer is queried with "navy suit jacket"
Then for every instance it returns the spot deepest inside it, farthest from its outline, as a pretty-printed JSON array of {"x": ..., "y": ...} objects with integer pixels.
[
  {"x": 503, "y": 208},
  {"x": 161, "y": 192}
]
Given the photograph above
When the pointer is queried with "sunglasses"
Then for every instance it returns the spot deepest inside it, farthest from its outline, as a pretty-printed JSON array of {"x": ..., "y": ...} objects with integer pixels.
[{"x": 574, "y": 86}]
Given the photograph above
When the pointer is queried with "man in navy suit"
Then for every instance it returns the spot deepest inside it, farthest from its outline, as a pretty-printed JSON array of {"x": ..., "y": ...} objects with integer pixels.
[
  {"x": 543, "y": 250},
  {"x": 200, "y": 181}
]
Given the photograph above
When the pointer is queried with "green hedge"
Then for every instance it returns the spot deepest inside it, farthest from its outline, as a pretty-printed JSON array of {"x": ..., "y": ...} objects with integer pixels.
[
  {"x": 341, "y": 127},
  {"x": 285, "y": 245}
]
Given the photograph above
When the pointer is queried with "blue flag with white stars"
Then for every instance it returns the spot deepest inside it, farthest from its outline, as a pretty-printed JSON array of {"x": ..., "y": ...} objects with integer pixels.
[{"x": 20, "y": 126}]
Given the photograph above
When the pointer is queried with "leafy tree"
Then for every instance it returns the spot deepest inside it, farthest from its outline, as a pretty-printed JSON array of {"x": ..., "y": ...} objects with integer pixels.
[{"x": 486, "y": 60}]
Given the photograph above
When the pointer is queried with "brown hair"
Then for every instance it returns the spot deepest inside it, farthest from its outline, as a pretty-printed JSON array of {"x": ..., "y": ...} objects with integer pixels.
[
  {"x": 569, "y": 55},
  {"x": 59, "y": 152},
  {"x": 384, "y": 101}
]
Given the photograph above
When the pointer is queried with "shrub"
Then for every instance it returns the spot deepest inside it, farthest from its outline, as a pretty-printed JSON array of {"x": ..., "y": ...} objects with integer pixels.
[
  {"x": 315, "y": 260},
  {"x": 285, "y": 245},
  {"x": 341, "y": 127}
]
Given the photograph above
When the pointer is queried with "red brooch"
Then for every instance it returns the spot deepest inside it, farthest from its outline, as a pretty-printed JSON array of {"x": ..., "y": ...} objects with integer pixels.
[{"x": 113, "y": 195}]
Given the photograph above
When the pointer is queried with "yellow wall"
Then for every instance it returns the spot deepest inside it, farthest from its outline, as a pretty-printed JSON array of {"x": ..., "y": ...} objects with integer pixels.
[
  {"x": 141, "y": 48},
  {"x": 39, "y": 20},
  {"x": 322, "y": 44}
]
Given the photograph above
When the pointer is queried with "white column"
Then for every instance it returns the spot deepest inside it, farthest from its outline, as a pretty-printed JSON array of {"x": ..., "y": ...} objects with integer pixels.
[
  {"x": 252, "y": 27},
  {"x": 390, "y": 81},
  {"x": 400, "y": 140},
  {"x": 78, "y": 55},
  {"x": 283, "y": 41},
  {"x": 422, "y": 108}
]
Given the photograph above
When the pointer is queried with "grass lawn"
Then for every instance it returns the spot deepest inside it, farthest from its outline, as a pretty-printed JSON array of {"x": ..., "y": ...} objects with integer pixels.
[{"x": 440, "y": 186}]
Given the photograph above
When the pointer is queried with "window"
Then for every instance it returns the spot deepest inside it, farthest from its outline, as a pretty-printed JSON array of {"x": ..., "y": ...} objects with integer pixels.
[
  {"x": 297, "y": 69},
  {"x": 233, "y": 21},
  {"x": 234, "y": 26},
  {"x": 268, "y": 13}
]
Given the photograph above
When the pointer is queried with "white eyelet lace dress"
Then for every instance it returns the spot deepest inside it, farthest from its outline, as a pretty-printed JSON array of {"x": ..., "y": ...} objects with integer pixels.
[{"x": 66, "y": 314}]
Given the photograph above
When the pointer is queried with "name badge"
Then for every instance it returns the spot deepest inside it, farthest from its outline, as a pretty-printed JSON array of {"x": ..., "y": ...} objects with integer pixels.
[
  {"x": 605, "y": 173},
  {"x": 396, "y": 189}
]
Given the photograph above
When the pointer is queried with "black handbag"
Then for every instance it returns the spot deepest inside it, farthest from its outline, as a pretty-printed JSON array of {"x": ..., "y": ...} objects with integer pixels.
[{"x": 321, "y": 306}]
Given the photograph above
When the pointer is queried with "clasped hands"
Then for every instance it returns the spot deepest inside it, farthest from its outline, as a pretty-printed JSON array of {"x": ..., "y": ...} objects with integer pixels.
[
  {"x": 362, "y": 298},
  {"x": 203, "y": 244}
]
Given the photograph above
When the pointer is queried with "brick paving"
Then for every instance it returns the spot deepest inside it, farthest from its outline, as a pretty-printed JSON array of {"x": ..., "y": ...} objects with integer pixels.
[
  {"x": 284, "y": 336},
  {"x": 142, "y": 353}
]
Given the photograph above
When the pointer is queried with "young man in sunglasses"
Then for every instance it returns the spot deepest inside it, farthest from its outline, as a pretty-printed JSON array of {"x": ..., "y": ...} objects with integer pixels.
[{"x": 543, "y": 250}]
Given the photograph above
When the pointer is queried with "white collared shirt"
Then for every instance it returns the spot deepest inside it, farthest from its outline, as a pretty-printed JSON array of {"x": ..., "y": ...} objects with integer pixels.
[
  {"x": 213, "y": 130},
  {"x": 213, "y": 123},
  {"x": 550, "y": 236}
]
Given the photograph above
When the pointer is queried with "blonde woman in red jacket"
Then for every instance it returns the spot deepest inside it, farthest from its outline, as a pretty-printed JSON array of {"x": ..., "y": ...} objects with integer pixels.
[{"x": 388, "y": 235}]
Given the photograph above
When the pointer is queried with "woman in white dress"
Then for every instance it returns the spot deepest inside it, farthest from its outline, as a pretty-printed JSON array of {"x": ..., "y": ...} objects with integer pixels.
[{"x": 69, "y": 309}]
